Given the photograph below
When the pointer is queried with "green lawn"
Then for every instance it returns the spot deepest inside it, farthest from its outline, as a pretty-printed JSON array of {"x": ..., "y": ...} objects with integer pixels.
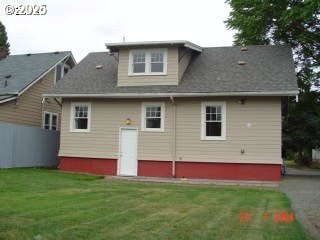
[
  {"x": 313, "y": 166},
  {"x": 45, "y": 204}
]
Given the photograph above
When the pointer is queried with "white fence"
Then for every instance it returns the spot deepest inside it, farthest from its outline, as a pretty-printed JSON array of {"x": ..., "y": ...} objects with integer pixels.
[{"x": 22, "y": 146}]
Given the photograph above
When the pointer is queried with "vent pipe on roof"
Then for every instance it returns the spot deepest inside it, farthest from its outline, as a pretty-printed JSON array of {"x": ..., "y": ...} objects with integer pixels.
[
  {"x": 242, "y": 63},
  {"x": 244, "y": 48}
]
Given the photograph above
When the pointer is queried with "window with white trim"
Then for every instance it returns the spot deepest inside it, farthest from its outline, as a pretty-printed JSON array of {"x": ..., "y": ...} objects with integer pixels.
[
  {"x": 156, "y": 64},
  {"x": 139, "y": 62},
  {"x": 50, "y": 121},
  {"x": 80, "y": 117},
  {"x": 148, "y": 62},
  {"x": 152, "y": 117},
  {"x": 213, "y": 121}
]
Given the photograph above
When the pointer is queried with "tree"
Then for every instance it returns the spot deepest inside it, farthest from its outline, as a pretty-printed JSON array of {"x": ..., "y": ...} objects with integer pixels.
[
  {"x": 4, "y": 44},
  {"x": 301, "y": 127},
  {"x": 296, "y": 23}
]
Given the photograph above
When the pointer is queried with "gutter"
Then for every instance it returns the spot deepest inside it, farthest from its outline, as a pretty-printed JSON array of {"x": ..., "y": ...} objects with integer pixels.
[{"x": 157, "y": 95}]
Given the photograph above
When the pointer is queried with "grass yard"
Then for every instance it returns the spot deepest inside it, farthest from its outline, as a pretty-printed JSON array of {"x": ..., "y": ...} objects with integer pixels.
[
  {"x": 45, "y": 204},
  {"x": 313, "y": 166}
]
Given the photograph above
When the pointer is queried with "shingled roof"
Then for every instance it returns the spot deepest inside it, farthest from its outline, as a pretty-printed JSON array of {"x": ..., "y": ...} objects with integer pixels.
[
  {"x": 19, "y": 71},
  {"x": 217, "y": 70}
]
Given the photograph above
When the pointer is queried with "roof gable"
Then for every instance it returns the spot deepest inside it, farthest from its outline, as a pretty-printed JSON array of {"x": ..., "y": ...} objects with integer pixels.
[{"x": 19, "y": 71}]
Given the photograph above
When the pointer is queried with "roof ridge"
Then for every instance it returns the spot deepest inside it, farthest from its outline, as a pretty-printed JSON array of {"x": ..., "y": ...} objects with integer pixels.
[{"x": 39, "y": 53}]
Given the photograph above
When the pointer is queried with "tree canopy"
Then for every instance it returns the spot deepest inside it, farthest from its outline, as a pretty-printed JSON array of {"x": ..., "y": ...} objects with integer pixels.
[{"x": 4, "y": 44}]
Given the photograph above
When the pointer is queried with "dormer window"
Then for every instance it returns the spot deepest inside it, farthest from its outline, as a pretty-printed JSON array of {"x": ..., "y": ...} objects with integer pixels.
[
  {"x": 157, "y": 62},
  {"x": 139, "y": 62},
  {"x": 148, "y": 62}
]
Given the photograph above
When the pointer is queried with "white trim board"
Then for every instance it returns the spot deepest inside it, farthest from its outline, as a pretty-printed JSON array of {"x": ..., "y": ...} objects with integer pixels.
[
  {"x": 157, "y": 95},
  {"x": 8, "y": 99}
]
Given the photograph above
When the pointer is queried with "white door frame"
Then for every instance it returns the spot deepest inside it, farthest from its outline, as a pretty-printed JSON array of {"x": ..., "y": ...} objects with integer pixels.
[{"x": 119, "y": 152}]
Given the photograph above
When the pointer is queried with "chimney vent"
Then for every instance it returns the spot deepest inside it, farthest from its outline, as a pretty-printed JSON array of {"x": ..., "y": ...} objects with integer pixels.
[
  {"x": 242, "y": 63},
  {"x": 8, "y": 76},
  {"x": 28, "y": 54},
  {"x": 99, "y": 66}
]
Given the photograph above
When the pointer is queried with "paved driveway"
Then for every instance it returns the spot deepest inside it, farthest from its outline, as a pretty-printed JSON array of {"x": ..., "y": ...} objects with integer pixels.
[{"x": 304, "y": 192}]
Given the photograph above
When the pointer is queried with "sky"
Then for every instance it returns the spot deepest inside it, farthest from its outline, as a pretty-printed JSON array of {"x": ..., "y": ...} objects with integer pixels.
[{"x": 85, "y": 26}]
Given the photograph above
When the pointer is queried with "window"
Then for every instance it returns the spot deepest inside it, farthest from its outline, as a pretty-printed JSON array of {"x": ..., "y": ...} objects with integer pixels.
[
  {"x": 80, "y": 117},
  {"x": 152, "y": 118},
  {"x": 213, "y": 121},
  {"x": 139, "y": 62},
  {"x": 148, "y": 62},
  {"x": 61, "y": 70},
  {"x": 50, "y": 121},
  {"x": 157, "y": 61},
  {"x": 58, "y": 73}
]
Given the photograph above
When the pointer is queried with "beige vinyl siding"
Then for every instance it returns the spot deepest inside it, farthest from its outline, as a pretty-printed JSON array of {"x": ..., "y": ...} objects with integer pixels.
[
  {"x": 171, "y": 78},
  {"x": 261, "y": 142},
  {"x": 184, "y": 60},
  {"x": 103, "y": 139},
  {"x": 27, "y": 109}
]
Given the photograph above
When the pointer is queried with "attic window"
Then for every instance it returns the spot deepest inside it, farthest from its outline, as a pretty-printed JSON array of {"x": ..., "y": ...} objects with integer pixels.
[
  {"x": 61, "y": 70},
  {"x": 148, "y": 62}
]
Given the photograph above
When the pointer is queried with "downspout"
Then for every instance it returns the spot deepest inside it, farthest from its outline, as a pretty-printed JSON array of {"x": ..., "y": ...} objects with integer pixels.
[{"x": 174, "y": 138}]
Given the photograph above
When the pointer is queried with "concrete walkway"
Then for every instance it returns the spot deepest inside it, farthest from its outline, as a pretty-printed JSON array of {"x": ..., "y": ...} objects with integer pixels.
[{"x": 195, "y": 181}]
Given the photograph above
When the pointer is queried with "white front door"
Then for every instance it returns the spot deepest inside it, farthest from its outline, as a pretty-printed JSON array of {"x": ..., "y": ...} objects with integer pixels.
[{"x": 128, "y": 152}]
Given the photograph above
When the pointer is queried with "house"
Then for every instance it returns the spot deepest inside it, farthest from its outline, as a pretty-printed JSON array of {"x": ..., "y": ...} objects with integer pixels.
[
  {"x": 23, "y": 80},
  {"x": 174, "y": 109}
]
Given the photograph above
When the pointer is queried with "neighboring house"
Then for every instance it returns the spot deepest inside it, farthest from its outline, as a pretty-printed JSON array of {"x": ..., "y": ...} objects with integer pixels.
[
  {"x": 174, "y": 109},
  {"x": 23, "y": 80}
]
